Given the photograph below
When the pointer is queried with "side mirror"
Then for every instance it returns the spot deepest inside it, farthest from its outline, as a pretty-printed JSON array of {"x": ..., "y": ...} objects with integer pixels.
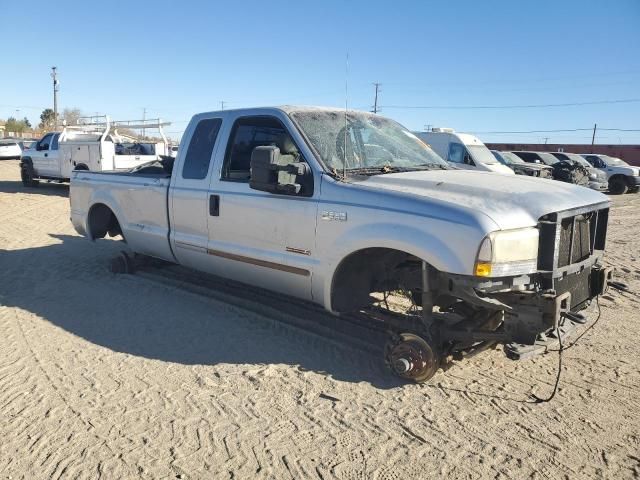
[
  {"x": 275, "y": 173},
  {"x": 44, "y": 146}
]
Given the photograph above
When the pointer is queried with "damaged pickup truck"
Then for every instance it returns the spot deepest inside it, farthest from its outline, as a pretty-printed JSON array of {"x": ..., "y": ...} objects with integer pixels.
[{"x": 345, "y": 209}]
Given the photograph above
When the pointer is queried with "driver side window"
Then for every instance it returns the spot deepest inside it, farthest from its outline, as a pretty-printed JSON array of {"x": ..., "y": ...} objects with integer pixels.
[
  {"x": 457, "y": 153},
  {"x": 249, "y": 133},
  {"x": 45, "y": 142}
]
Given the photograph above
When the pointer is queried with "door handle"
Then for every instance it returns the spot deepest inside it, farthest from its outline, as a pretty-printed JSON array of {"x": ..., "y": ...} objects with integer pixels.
[{"x": 214, "y": 205}]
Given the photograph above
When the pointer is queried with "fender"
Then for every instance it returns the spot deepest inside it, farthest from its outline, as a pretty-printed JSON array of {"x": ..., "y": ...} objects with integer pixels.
[{"x": 420, "y": 243}]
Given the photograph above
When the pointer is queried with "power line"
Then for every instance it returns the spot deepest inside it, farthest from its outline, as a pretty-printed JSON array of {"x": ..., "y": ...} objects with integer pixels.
[
  {"x": 545, "y": 105},
  {"x": 560, "y": 130}
]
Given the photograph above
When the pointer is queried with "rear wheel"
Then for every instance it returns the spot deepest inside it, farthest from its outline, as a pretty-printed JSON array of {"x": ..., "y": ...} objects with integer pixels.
[
  {"x": 28, "y": 180},
  {"x": 618, "y": 186}
]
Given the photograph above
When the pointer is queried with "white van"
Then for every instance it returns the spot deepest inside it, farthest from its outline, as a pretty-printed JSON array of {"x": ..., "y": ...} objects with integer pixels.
[{"x": 462, "y": 150}]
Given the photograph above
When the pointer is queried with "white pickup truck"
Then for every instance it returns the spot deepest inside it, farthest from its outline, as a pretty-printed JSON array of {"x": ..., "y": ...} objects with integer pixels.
[
  {"x": 342, "y": 208},
  {"x": 94, "y": 146},
  {"x": 621, "y": 176}
]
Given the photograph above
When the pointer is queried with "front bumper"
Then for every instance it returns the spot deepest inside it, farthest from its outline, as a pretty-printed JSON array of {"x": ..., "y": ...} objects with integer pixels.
[
  {"x": 534, "y": 315},
  {"x": 598, "y": 185}
]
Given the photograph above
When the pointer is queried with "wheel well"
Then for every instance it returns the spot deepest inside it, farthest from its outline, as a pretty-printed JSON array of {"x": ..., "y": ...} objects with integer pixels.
[
  {"x": 102, "y": 221},
  {"x": 372, "y": 270},
  {"x": 618, "y": 176}
]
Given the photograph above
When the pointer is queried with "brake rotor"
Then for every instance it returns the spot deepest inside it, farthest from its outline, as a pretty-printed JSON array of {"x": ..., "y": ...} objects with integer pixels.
[{"x": 412, "y": 357}]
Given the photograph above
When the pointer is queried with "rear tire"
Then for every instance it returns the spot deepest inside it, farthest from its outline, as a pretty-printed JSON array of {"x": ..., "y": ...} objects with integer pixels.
[
  {"x": 28, "y": 180},
  {"x": 618, "y": 186}
]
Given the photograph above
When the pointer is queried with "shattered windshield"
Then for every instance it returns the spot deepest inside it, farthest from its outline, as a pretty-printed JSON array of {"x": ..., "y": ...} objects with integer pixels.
[{"x": 369, "y": 143}]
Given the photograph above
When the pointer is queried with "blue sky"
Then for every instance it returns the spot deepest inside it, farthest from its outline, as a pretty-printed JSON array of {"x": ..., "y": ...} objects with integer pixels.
[{"x": 179, "y": 58}]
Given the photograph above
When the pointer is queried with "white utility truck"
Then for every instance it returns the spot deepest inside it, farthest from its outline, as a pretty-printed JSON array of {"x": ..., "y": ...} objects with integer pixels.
[
  {"x": 463, "y": 150},
  {"x": 344, "y": 208},
  {"x": 90, "y": 145}
]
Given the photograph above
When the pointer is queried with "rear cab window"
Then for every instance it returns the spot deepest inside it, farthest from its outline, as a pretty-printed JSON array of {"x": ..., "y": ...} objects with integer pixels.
[{"x": 198, "y": 157}]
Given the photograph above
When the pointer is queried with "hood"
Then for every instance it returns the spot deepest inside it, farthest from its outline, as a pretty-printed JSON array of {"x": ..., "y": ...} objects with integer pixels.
[
  {"x": 511, "y": 202},
  {"x": 498, "y": 168},
  {"x": 626, "y": 170}
]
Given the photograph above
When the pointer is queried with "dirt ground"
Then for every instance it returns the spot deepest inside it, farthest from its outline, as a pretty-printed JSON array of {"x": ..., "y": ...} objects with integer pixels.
[{"x": 105, "y": 376}]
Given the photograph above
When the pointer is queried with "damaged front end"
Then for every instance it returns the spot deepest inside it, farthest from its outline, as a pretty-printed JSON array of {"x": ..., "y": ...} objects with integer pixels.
[{"x": 532, "y": 308}]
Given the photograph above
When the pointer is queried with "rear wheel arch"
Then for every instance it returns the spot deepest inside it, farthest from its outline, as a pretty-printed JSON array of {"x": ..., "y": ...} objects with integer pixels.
[{"x": 102, "y": 221}]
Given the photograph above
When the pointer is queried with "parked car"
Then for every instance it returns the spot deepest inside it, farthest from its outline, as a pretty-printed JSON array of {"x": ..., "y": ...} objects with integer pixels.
[
  {"x": 89, "y": 146},
  {"x": 28, "y": 144},
  {"x": 564, "y": 171},
  {"x": 294, "y": 200},
  {"x": 520, "y": 167},
  {"x": 621, "y": 176},
  {"x": 597, "y": 178},
  {"x": 462, "y": 150},
  {"x": 10, "y": 149}
]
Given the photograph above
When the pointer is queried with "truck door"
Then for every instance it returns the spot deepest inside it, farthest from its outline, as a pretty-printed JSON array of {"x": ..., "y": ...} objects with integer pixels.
[
  {"x": 40, "y": 155},
  {"x": 189, "y": 194},
  {"x": 256, "y": 237}
]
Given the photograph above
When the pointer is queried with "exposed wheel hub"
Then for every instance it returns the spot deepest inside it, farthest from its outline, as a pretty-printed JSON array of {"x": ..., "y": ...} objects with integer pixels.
[{"x": 412, "y": 357}]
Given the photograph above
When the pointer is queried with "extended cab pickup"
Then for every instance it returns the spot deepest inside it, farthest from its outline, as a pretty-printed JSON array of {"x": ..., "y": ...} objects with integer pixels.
[{"x": 340, "y": 208}]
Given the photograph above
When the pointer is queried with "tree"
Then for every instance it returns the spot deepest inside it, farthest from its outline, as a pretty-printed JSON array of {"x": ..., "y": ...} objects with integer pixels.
[
  {"x": 16, "y": 126},
  {"x": 26, "y": 122},
  {"x": 71, "y": 115},
  {"x": 47, "y": 119}
]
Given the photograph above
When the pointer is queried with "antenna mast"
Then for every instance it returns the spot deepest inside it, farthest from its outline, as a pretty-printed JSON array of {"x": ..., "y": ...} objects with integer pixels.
[{"x": 346, "y": 107}]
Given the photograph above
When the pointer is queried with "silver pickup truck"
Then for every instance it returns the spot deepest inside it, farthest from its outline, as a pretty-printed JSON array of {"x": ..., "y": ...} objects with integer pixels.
[{"x": 345, "y": 208}]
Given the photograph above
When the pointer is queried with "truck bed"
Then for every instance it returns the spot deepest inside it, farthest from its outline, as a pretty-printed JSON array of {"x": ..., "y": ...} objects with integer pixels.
[{"x": 139, "y": 201}]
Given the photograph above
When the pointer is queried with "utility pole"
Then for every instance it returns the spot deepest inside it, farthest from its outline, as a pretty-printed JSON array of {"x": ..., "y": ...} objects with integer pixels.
[
  {"x": 427, "y": 127},
  {"x": 144, "y": 117},
  {"x": 54, "y": 75},
  {"x": 375, "y": 100},
  {"x": 222, "y": 102},
  {"x": 545, "y": 140},
  {"x": 593, "y": 138}
]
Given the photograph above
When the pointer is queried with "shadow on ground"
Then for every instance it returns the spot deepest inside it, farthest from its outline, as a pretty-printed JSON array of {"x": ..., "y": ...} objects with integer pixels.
[
  {"x": 44, "y": 188},
  {"x": 68, "y": 284}
]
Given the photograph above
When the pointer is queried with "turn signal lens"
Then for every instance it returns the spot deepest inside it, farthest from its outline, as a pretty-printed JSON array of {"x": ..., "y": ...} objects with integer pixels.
[{"x": 483, "y": 269}]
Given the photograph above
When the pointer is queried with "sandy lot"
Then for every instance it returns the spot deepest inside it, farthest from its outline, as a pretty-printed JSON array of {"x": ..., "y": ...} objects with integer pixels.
[{"x": 105, "y": 376}]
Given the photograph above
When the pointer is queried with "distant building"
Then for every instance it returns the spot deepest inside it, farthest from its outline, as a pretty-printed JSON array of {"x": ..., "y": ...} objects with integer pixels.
[{"x": 628, "y": 153}]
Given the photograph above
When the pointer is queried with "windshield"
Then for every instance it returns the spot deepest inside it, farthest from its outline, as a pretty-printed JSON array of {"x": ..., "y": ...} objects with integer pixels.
[
  {"x": 367, "y": 141},
  {"x": 548, "y": 158},
  {"x": 481, "y": 154},
  {"x": 615, "y": 161},
  {"x": 577, "y": 158},
  {"x": 511, "y": 158}
]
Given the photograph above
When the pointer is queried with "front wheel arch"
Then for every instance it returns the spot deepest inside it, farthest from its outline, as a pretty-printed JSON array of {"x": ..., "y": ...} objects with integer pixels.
[{"x": 366, "y": 271}]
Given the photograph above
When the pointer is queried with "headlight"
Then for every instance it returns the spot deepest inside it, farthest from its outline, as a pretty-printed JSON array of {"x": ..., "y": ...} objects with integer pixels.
[
  {"x": 508, "y": 253},
  {"x": 593, "y": 176}
]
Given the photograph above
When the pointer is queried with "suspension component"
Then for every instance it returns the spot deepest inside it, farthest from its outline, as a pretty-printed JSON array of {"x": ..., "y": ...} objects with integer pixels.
[{"x": 412, "y": 357}]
